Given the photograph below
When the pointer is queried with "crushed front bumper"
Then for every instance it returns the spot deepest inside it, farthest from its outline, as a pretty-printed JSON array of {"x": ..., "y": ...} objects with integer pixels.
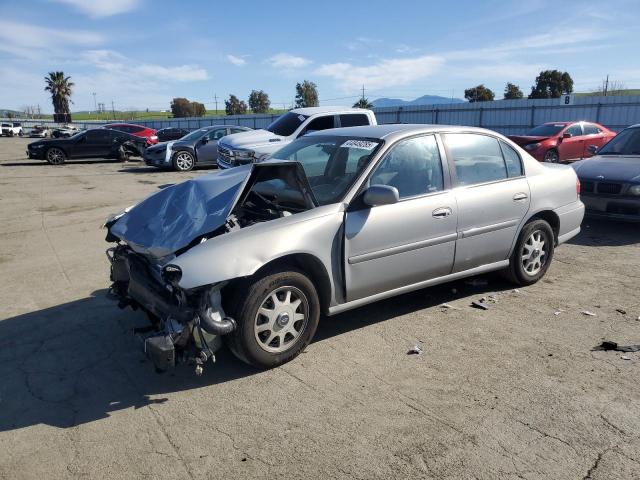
[{"x": 614, "y": 207}]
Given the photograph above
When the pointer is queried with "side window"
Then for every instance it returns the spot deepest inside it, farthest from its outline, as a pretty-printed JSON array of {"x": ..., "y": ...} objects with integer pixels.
[
  {"x": 353, "y": 120},
  {"x": 320, "y": 123},
  {"x": 590, "y": 129},
  {"x": 217, "y": 134},
  {"x": 412, "y": 166},
  {"x": 512, "y": 159},
  {"x": 237, "y": 130},
  {"x": 134, "y": 130},
  {"x": 574, "y": 130},
  {"x": 478, "y": 158},
  {"x": 98, "y": 136}
]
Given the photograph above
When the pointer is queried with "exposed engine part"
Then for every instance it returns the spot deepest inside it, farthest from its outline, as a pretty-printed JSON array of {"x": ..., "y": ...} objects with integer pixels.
[
  {"x": 161, "y": 351},
  {"x": 211, "y": 314}
]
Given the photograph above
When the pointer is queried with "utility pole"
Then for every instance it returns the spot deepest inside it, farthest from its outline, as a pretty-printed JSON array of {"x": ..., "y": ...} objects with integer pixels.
[
  {"x": 113, "y": 110},
  {"x": 606, "y": 85},
  {"x": 95, "y": 105},
  {"x": 215, "y": 100},
  {"x": 363, "y": 92}
]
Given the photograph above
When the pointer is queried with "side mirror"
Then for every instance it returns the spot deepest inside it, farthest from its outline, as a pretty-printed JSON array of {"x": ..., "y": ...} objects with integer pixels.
[
  {"x": 566, "y": 135},
  {"x": 377, "y": 195},
  {"x": 204, "y": 140},
  {"x": 592, "y": 149}
]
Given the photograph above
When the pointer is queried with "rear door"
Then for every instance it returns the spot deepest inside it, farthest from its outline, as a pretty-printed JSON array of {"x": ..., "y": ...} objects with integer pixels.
[
  {"x": 593, "y": 135},
  {"x": 492, "y": 196},
  {"x": 208, "y": 151},
  {"x": 391, "y": 246}
]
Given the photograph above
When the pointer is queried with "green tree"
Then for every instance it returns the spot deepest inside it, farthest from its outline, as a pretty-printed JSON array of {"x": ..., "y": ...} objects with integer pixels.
[
  {"x": 60, "y": 88},
  {"x": 512, "y": 92},
  {"x": 306, "y": 94},
  {"x": 552, "y": 84},
  {"x": 235, "y": 106},
  {"x": 363, "y": 103},
  {"x": 198, "y": 109},
  {"x": 479, "y": 94},
  {"x": 181, "y": 107},
  {"x": 259, "y": 101}
]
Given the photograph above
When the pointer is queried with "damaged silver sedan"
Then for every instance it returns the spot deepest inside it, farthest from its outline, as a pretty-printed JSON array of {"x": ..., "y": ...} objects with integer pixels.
[{"x": 335, "y": 220}]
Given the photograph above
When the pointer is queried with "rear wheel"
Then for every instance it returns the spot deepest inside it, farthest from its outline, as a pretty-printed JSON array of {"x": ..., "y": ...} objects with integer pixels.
[
  {"x": 55, "y": 156},
  {"x": 551, "y": 156},
  {"x": 183, "y": 161},
  {"x": 533, "y": 253},
  {"x": 123, "y": 155},
  {"x": 276, "y": 317}
]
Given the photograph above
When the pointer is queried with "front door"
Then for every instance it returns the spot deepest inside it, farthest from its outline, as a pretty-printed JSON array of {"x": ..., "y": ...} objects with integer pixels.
[
  {"x": 207, "y": 151},
  {"x": 571, "y": 148},
  {"x": 492, "y": 194},
  {"x": 390, "y": 246}
]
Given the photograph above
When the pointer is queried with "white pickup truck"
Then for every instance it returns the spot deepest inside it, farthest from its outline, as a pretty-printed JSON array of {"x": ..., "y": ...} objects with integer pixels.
[
  {"x": 256, "y": 145},
  {"x": 11, "y": 129}
]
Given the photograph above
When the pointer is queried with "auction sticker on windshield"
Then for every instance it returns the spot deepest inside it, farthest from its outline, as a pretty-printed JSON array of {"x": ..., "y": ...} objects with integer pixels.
[{"x": 361, "y": 144}]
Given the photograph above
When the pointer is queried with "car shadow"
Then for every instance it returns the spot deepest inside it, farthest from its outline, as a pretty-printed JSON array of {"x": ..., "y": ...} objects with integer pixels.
[
  {"x": 40, "y": 163},
  {"x": 603, "y": 232},
  {"x": 78, "y": 362}
]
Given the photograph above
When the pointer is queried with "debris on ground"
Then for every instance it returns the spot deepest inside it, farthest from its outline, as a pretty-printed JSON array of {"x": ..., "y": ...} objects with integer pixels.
[
  {"x": 608, "y": 345},
  {"x": 588, "y": 313},
  {"x": 415, "y": 350},
  {"x": 476, "y": 282},
  {"x": 558, "y": 312},
  {"x": 480, "y": 304},
  {"x": 621, "y": 310},
  {"x": 624, "y": 357},
  {"x": 448, "y": 306}
]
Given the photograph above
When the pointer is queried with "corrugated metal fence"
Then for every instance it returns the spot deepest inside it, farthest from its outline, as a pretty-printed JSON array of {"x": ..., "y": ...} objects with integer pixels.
[{"x": 510, "y": 117}]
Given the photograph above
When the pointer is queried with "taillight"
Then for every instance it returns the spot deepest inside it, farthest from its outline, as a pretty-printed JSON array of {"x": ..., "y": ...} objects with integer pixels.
[{"x": 578, "y": 186}]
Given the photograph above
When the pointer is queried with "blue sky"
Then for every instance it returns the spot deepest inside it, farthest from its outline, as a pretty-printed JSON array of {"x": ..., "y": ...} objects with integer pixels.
[{"x": 142, "y": 53}]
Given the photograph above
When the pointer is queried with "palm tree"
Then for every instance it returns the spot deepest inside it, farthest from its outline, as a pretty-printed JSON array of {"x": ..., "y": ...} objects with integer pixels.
[
  {"x": 60, "y": 88},
  {"x": 363, "y": 103}
]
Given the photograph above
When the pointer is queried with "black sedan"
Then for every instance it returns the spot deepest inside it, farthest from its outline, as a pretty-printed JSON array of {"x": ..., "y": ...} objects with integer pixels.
[
  {"x": 199, "y": 148},
  {"x": 94, "y": 143},
  {"x": 171, "y": 133},
  {"x": 610, "y": 181}
]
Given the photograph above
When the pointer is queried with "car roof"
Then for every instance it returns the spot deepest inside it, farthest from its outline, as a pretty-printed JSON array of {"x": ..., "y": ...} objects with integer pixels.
[
  {"x": 308, "y": 111},
  {"x": 396, "y": 130}
]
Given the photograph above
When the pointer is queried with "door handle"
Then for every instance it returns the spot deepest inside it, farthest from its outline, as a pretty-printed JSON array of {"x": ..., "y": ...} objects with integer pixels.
[
  {"x": 520, "y": 196},
  {"x": 441, "y": 212}
]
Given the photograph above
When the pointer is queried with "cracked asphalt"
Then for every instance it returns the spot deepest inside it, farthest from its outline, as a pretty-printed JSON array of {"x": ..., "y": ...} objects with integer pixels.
[{"x": 512, "y": 392}]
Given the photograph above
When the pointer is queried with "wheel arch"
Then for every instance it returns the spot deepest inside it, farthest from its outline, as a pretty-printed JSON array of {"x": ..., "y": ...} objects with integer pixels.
[
  {"x": 308, "y": 264},
  {"x": 548, "y": 216}
]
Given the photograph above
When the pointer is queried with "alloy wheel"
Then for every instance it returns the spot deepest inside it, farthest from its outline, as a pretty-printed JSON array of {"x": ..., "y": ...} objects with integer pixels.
[
  {"x": 534, "y": 255},
  {"x": 55, "y": 156},
  {"x": 184, "y": 161},
  {"x": 551, "y": 156},
  {"x": 281, "y": 319}
]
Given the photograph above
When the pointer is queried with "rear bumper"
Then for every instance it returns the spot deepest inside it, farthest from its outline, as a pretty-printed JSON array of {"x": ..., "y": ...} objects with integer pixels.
[
  {"x": 570, "y": 217},
  {"x": 612, "y": 207}
]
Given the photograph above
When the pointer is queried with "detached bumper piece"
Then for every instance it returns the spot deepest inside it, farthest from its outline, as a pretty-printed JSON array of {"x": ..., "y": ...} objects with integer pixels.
[{"x": 185, "y": 326}]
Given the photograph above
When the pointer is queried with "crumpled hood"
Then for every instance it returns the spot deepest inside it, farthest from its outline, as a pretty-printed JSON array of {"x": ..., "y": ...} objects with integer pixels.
[
  {"x": 253, "y": 139},
  {"x": 170, "y": 219},
  {"x": 525, "y": 139},
  {"x": 612, "y": 168}
]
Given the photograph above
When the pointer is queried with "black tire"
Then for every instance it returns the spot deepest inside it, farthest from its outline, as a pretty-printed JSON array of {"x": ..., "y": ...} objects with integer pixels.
[
  {"x": 521, "y": 271},
  {"x": 552, "y": 156},
  {"x": 11, "y": 133},
  {"x": 56, "y": 156},
  {"x": 250, "y": 345},
  {"x": 123, "y": 155},
  {"x": 183, "y": 161},
  {"x": 20, "y": 133}
]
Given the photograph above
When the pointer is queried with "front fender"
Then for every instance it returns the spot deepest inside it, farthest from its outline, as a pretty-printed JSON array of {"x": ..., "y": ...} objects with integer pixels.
[{"x": 242, "y": 252}]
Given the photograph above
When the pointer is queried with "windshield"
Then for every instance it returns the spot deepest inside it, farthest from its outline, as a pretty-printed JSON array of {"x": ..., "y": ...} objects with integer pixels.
[
  {"x": 627, "y": 142},
  {"x": 546, "y": 130},
  {"x": 287, "y": 124},
  {"x": 331, "y": 163},
  {"x": 194, "y": 135}
]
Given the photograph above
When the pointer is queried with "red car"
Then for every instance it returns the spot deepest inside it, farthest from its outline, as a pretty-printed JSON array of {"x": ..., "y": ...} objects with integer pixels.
[
  {"x": 563, "y": 141},
  {"x": 137, "y": 130}
]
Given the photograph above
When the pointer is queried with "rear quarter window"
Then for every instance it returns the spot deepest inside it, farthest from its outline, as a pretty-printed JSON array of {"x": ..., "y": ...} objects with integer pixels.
[
  {"x": 477, "y": 158},
  {"x": 353, "y": 120},
  {"x": 512, "y": 160}
]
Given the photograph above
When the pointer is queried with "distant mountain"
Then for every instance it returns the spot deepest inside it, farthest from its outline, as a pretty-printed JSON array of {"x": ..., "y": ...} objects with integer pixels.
[
  {"x": 4, "y": 112},
  {"x": 423, "y": 100}
]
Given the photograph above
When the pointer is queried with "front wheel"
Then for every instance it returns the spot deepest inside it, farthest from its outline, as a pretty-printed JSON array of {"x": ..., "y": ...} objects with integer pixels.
[
  {"x": 183, "y": 162},
  {"x": 276, "y": 317},
  {"x": 55, "y": 156},
  {"x": 20, "y": 133},
  {"x": 551, "y": 156},
  {"x": 532, "y": 255}
]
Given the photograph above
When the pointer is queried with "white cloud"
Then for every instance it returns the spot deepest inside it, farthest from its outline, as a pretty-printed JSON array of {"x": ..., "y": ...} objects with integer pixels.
[
  {"x": 285, "y": 60},
  {"x": 237, "y": 61},
  {"x": 29, "y": 41},
  {"x": 102, "y": 8},
  {"x": 386, "y": 73}
]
